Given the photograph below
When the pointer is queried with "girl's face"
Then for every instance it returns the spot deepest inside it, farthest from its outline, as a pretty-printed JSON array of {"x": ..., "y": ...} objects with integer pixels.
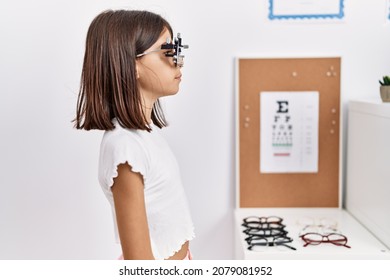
[{"x": 157, "y": 74}]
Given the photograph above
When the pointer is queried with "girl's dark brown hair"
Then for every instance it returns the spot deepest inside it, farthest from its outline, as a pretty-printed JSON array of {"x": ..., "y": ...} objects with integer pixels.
[{"x": 108, "y": 82}]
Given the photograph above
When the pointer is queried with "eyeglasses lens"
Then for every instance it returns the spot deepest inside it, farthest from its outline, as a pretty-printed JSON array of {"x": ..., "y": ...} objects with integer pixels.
[
  {"x": 337, "y": 239},
  {"x": 312, "y": 238}
]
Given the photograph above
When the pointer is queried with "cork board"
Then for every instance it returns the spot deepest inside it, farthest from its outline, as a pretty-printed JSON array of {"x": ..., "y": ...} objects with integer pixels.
[{"x": 316, "y": 189}]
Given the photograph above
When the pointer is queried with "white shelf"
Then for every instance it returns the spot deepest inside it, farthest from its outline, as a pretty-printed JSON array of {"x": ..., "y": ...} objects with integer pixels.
[
  {"x": 363, "y": 244},
  {"x": 368, "y": 166},
  {"x": 372, "y": 107}
]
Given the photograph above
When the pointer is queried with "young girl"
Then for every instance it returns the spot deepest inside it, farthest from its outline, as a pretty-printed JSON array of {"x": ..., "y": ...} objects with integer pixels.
[{"x": 130, "y": 62}]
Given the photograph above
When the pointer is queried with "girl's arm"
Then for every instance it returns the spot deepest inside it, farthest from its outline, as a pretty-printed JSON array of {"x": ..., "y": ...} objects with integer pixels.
[{"x": 128, "y": 192}]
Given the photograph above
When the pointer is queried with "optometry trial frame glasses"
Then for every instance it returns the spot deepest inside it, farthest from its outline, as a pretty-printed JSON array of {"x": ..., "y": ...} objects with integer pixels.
[{"x": 175, "y": 48}]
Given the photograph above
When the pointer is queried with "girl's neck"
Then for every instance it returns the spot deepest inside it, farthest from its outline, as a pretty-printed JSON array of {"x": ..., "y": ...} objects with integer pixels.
[
  {"x": 147, "y": 107},
  {"x": 148, "y": 113}
]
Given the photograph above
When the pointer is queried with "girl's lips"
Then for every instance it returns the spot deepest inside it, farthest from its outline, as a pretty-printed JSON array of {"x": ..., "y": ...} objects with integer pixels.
[{"x": 178, "y": 77}]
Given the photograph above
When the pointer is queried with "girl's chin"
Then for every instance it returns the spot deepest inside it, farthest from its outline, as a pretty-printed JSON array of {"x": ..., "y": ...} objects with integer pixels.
[{"x": 173, "y": 92}]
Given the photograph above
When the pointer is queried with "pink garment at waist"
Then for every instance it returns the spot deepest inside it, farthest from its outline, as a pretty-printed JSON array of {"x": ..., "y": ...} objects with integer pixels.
[{"x": 186, "y": 258}]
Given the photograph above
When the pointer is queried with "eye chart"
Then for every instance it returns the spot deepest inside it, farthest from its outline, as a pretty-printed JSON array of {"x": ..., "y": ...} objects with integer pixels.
[{"x": 289, "y": 132}]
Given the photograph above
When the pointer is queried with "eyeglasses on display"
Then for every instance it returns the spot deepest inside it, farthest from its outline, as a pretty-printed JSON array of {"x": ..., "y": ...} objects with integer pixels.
[
  {"x": 313, "y": 238},
  {"x": 262, "y": 220},
  {"x": 322, "y": 221},
  {"x": 324, "y": 230},
  {"x": 261, "y": 243},
  {"x": 265, "y": 232}
]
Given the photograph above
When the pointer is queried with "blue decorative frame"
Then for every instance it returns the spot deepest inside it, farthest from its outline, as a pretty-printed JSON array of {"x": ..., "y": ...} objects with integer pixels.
[
  {"x": 388, "y": 10},
  {"x": 340, "y": 15}
]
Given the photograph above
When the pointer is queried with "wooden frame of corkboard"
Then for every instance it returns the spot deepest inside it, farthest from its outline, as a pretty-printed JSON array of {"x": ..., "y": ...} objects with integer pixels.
[{"x": 320, "y": 189}]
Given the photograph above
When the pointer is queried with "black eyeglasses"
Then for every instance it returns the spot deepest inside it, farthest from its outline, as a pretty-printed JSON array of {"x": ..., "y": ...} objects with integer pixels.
[
  {"x": 262, "y": 220},
  {"x": 254, "y": 237},
  {"x": 260, "y": 243},
  {"x": 313, "y": 238},
  {"x": 258, "y": 226},
  {"x": 265, "y": 232}
]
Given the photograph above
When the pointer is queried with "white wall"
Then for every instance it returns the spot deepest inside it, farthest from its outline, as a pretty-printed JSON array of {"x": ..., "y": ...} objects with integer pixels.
[{"x": 51, "y": 205}]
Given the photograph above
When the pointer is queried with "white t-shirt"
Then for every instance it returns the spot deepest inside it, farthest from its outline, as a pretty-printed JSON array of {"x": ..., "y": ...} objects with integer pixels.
[{"x": 169, "y": 220}]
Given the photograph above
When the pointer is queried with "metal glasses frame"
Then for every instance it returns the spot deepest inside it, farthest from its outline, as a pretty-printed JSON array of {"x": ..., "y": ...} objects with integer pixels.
[{"x": 175, "y": 45}]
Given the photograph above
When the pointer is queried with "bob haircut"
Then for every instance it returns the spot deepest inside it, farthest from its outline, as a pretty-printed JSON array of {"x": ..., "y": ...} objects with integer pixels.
[{"x": 108, "y": 87}]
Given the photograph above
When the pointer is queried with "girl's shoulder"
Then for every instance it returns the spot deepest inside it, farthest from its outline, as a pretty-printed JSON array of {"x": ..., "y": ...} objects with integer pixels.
[
  {"x": 122, "y": 139},
  {"x": 122, "y": 145},
  {"x": 119, "y": 137}
]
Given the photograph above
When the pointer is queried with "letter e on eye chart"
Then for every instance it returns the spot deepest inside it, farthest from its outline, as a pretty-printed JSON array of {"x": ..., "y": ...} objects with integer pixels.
[{"x": 289, "y": 132}]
